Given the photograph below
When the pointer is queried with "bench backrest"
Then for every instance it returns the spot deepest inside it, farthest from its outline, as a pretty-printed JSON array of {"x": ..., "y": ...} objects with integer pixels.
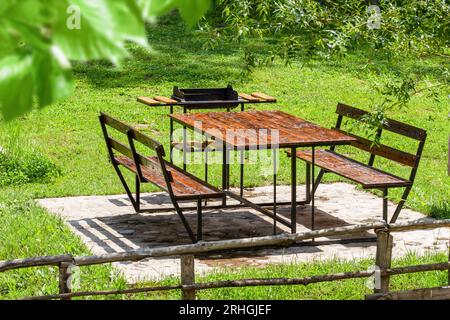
[
  {"x": 129, "y": 151},
  {"x": 403, "y": 129}
]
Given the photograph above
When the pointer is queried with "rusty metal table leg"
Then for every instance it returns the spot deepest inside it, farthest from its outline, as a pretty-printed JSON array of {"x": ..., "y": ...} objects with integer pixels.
[
  {"x": 313, "y": 191},
  {"x": 225, "y": 171},
  {"x": 184, "y": 144},
  {"x": 293, "y": 190},
  {"x": 171, "y": 136},
  {"x": 274, "y": 153}
]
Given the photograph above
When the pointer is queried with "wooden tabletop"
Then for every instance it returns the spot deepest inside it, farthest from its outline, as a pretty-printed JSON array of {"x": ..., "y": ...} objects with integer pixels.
[{"x": 261, "y": 129}]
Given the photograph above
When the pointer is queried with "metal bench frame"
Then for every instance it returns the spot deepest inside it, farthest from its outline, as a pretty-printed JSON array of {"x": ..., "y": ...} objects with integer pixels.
[
  {"x": 394, "y": 126},
  {"x": 140, "y": 160}
]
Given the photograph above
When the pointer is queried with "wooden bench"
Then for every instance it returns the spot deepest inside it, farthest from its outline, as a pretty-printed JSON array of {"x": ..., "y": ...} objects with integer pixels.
[
  {"x": 364, "y": 174},
  {"x": 179, "y": 184}
]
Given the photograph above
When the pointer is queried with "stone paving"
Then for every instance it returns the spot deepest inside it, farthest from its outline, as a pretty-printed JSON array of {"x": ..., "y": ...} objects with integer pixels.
[{"x": 108, "y": 224}]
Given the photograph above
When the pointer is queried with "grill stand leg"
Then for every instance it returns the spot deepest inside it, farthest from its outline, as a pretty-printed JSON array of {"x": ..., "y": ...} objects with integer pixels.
[{"x": 199, "y": 220}]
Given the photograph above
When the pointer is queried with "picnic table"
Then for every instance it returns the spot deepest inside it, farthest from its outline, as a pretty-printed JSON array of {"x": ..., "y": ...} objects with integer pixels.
[{"x": 252, "y": 130}]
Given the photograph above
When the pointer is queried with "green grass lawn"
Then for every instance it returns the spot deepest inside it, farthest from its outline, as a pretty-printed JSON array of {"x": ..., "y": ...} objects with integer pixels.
[{"x": 65, "y": 143}]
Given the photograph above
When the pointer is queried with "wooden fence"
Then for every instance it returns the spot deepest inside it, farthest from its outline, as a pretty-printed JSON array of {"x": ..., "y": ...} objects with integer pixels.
[{"x": 189, "y": 286}]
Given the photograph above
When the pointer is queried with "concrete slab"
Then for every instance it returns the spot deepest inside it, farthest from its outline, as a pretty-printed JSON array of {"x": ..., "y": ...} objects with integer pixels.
[{"x": 108, "y": 224}]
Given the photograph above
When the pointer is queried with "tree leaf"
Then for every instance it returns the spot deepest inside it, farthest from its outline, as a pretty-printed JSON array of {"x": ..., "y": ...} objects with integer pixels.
[
  {"x": 52, "y": 76},
  {"x": 193, "y": 10},
  {"x": 16, "y": 85}
]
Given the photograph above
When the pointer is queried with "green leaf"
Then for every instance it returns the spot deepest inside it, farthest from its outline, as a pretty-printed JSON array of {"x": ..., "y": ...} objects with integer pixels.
[
  {"x": 16, "y": 85},
  {"x": 193, "y": 10},
  {"x": 53, "y": 77},
  {"x": 153, "y": 8}
]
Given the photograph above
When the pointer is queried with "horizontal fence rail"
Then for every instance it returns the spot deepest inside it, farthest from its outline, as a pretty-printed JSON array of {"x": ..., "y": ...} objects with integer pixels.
[{"x": 187, "y": 253}]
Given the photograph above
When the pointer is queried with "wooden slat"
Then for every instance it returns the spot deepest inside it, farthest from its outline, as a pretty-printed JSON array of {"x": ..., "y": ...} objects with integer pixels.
[
  {"x": 391, "y": 125},
  {"x": 114, "y": 123},
  {"x": 126, "y": 151},
  {"x": 383, "y": 150},
  {"x": 148, "y": 101},
  {"x": 165, "y": 100},
  {"x": 136, "y": 134},
  {"x": 183, "y": 184},
  {"x": 263, "y": 96},
  {"x": 439, "y": 293},
  {"x": 248, "y": 97},
  {"x": 365, "y": 175},
  {"x": 146, "y": 140}
]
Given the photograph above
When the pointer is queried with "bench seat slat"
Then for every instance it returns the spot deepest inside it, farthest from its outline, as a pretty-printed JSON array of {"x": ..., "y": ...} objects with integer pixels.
[
  {"x": 361, "y": 173},
  {"x": 184, "y": 186}
]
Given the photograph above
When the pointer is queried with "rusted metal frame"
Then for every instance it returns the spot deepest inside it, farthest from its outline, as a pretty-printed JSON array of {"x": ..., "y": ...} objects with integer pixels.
[
  {"x": 139, "y": 176},
  {"x": 184, "y": 143},
  {"x": 199, "y": 220},
  {"x": 274, "y": 155},
  {"x": 293, "y": 190},
  {"x": 171, "y": 135},
  {"x": 241, "y": 171},
  {"x": 412, "y": 177},
  {"x": 332, "y": 148},
  {"x": 372, "y": 155},
  {"x": 159, "y": 153},
  {"x": 225, "y": 171},
  {"x": 313, "y": 192},
  {"x": 115, "y": 164},
  {"x": 229, "y": 206},
  {"x": 385, "y": 204},
  {"x": 136, "y": 159}
]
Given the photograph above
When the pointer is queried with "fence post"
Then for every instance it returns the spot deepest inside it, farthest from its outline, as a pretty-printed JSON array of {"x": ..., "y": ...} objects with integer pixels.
[
  {"x": 64, "y": 278},
  {"x": 383, "y": 258},
  {"x": 187, "y": 276}
]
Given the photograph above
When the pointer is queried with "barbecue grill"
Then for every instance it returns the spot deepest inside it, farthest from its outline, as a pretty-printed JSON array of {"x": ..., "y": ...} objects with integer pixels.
[{"x": 204, "y": 97}]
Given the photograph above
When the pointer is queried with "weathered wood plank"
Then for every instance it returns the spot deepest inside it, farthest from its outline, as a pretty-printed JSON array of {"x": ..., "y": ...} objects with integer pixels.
[
  {"x": 34, "y": 262},
  {"x": 282, "y": 240},
  {"x": 187, "y": 277},
  {"x": 64, "y": 278},
  {"x": 165, "y": 99},
  {"x": 248, "y": 97},
  {"x": 439, "y": 293},
  {"x": 383, "y": 259},
  {"x": 263, "y": 96},
  {"x": 361, "y": 173},
  {"x": 148, "y": 101}
]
